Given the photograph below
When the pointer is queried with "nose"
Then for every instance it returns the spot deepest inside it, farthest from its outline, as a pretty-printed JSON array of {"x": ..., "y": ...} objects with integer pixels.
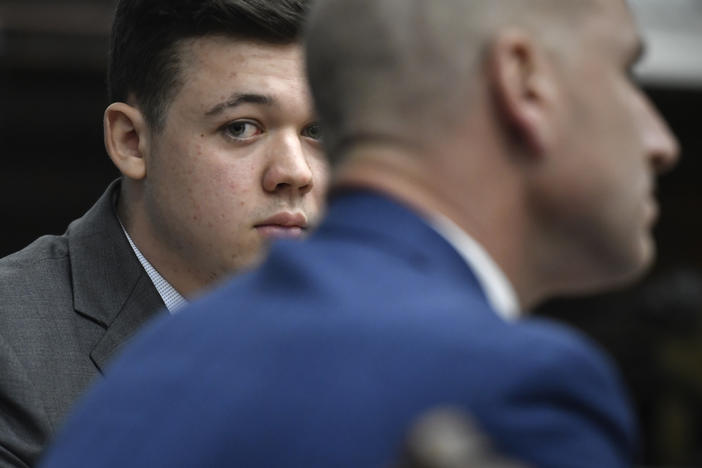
[
  {"x": 661, "y": 144},
  {"x": 287, "y": 169}
]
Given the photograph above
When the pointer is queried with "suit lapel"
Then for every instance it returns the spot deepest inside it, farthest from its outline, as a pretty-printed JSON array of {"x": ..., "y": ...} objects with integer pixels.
[
  {"x": 110, "y": 286},
  {"x": 142, "y": 304}
]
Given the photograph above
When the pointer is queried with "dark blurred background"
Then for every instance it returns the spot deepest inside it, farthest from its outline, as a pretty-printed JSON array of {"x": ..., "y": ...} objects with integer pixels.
[
  {"x": 52, "y": 72},
  {"x": 52, "y": 95}
]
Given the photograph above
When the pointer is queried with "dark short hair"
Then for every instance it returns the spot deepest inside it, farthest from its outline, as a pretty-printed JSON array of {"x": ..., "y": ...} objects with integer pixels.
[{"x": 146, "y": 34}]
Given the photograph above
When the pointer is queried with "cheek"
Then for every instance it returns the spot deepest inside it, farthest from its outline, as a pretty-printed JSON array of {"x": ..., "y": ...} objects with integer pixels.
[
  {"x": 220, "y": 169},
  {"x": 233, "y": 191},
  {"x": 240, "y": 184},
  {"x": 178, "y": 165},
  {"x": 608, "y": 139},
  {"x": 216, "y": 187},
  {"x": 321, "y": 174},
  {"x": 629, "y": 168}
]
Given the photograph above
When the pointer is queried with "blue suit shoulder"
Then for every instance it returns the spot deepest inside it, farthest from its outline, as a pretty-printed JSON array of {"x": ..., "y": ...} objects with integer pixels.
[
  {"x": 571, "y": 372},
  {"x": 314, "y": 388},
  {"x": 326, "y": 354}
]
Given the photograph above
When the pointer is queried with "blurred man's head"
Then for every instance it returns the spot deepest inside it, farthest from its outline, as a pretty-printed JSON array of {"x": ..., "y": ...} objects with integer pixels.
[
  {"x": 212, "y": 127},
  {"x": 520, "y": 114}
]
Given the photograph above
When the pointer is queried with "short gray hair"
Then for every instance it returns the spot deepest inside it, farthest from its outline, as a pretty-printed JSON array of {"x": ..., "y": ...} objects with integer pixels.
[{"x": 389, "y": 68}]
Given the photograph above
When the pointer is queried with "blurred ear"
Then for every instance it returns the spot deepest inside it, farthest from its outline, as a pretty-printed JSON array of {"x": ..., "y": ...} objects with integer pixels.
[
  {"x": 524, "y": 89},
  {"x": 126, "y": 139}
]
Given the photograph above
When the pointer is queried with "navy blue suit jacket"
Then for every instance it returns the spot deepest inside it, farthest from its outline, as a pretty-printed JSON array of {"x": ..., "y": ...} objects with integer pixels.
[{"x": 325, "y": 355}]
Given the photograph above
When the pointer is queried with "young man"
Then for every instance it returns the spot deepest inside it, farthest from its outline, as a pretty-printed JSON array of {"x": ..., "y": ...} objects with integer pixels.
[
  {"x": 212, "y": 128},
  {"x": 489, "y": 154}
]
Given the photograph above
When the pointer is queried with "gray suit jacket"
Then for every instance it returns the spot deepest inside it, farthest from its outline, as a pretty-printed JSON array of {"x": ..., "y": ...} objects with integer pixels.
[{"x": 67, "y": 303}]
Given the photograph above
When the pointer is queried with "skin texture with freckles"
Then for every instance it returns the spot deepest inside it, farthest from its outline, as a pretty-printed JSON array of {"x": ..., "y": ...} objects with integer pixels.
[
  {"x": 210, "y": 125},
  {"x": 240, "y": 145}
]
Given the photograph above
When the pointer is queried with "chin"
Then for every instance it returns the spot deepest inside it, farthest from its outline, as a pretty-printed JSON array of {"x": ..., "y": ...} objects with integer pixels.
[
  {"x": 251, "y": 261},
  {"x": 624, "y": 267},
  {"x": 634, "y": 266}
]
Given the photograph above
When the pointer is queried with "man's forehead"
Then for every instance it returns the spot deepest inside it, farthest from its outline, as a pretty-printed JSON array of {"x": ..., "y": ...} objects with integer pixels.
[
  {"x": 218, "y": 73},
  {"x": 218, "y": 60}
]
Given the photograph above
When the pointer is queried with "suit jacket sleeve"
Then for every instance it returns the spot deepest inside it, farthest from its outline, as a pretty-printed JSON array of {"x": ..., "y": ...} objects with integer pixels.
[{"x": 23, "y": 422}]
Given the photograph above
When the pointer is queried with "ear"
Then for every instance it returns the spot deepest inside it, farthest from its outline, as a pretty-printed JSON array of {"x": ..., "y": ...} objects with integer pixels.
[
  {"x": 524, "y": 89},
  {"x": 127, "y": 139}
]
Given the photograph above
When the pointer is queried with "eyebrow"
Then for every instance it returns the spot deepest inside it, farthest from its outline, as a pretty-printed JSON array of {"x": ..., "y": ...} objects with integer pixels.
[{"x": 238, "y": 99}]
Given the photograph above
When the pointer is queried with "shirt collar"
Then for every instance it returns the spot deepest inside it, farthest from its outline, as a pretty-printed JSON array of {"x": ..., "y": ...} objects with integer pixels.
[
  {"x": 498, "y": 290},
  {"x": 172, "y": 298}
]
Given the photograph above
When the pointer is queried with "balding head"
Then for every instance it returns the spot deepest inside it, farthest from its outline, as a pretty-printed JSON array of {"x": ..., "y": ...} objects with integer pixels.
[
  {"x": 390, "y": 69},
  {"x": 516, "y": 119}
]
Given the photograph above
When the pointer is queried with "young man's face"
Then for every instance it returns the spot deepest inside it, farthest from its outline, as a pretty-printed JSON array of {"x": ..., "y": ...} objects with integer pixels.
[
  {"x": 239, "y": 161},
  {"x": 612, "y": 145}
]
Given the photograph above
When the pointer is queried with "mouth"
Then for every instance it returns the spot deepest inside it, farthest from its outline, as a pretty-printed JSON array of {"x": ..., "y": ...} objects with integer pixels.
[{"x": 283, "y": 225}]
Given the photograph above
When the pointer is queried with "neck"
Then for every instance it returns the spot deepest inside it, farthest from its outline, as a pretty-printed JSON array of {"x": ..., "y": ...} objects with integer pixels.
[
  {"x": 482, "y": 198},
  {"x": 179, "y": 275}
]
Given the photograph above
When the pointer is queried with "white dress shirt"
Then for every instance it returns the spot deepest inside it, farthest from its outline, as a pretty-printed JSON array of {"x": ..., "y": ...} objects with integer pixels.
[
  {"x": 170, "y": 296},
  {"x": 497, "y": 288}
]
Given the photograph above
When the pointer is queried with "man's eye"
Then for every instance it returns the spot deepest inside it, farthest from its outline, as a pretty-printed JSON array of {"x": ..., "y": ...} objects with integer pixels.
[
  {"x": 312, "y": 131},
  {"x": 242, "y": 130}
]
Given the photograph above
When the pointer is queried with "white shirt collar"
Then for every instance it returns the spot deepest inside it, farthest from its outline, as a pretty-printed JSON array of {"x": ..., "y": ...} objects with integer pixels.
[
  {"x": 498, "y": 290},
  {"x": 170, "y": 296}
]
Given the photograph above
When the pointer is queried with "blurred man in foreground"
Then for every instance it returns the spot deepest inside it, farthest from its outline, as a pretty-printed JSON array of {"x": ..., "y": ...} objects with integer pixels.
[
  {"x": 212, "y": 127},
  {"x": 488, "y": 155}
]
